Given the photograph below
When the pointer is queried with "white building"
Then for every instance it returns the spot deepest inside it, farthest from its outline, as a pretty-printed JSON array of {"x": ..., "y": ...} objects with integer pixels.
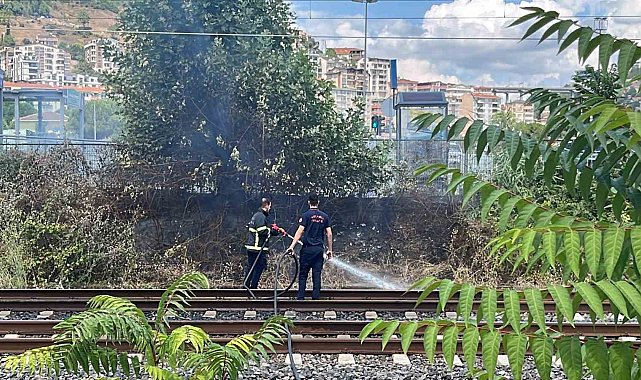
[
  {"x": 522, "y": 111},
  {"x": 96, "y": 57},
  {"x": 379, "y": 76},
  {"x": 18, "y": 62}
]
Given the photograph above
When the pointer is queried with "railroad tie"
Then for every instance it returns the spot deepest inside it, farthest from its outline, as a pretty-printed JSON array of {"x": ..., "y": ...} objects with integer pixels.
[
  {"x": 298, "y": 359},
  {"x": 411, "y": 315},
  {"x": 330, "y": 314},
  {"x": 371, "y": 315},
  {"x": 401, "y": 359},
  {"x": 346, "y": 359},
  {"x": 210, "y": 314},
  {"x": 250, "y": 314},
  {"x": 45, "y": 314},
  {"x": 4, "y": 314}
]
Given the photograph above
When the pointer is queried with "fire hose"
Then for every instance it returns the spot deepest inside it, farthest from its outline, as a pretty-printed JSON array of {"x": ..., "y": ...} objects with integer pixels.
[{"x": 278, "y": 293}]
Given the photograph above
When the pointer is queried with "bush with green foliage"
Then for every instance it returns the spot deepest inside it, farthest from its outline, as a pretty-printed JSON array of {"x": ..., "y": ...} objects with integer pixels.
[
  {"x": 63, "y": 220},
  {"x": 98, "y": 339},
  {"x": 592, "y": 144}
]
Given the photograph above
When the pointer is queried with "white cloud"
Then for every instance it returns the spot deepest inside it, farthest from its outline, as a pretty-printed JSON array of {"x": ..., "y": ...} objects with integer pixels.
[{"x": 502, "y": 62}]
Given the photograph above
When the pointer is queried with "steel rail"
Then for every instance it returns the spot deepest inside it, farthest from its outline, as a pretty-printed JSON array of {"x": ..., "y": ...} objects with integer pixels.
[
  {"x": 320, "y": 327},
  {"x": 231, "y": 304}
]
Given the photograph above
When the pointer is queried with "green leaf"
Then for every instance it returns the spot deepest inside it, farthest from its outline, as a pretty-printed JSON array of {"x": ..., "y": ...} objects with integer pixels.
[
  {"x": 635, "y": 121},
  {"x": 584, "y": 41},
  {"x": 491, "y": 342},
  {"x": 563, "y": 29},
  {"x": 561, "y": 297},
  {"x": 525, "y": 213},
  {"x": 534, "y": 301},
  {"x": 475, "y": 188},
  {"x": 450, "y": 341},
  {"x": 525, "y": 18},
  {"x": 596, "y": 358},
  {"x": 515, "y": 346},
  {"x": 550, "y": 31},
  {"x": 631, "y": 294},
  {"x": 407, "y": 331},
  {"x": 626, "y": 59},
  {"x": 569, "y": 349},
  {"x": 457, "y": 128},
  {"x": 494, "y": 135},
  {"x": 542, "y": 350},
  {"x": 445, "y": 291},
  {"x": 466, "y": 300},
  {"x": 549, "y": 246},
  {"x": 572, "y": 243},
  {"x": 429, "y": 340},
  {"x": 470, "y": 345},
  {"x": 389, "y": 331},
  {"x": 512, "y": 309},
  {"x": 591, "y": 296},
  {"x": 488, "y": 306},
  {"x": 457, "y": 181},
  {"x": 569, "y": 40},
  {"x": 472, "y": 134},
  {"x": 612, "y": 246},
  {"x": 635, "y": 241},
  {"x": 487, "y": 202},
  {"x": 593, "y": 250},
  {"x": 621, "y": 359},
  {"x": 506, "y": 212},
  {"x": 481, "y": 145},
  {"x": 536, "y": 26},
  {"x": 442, "y": 124},
  {"x": 425, "y": 121},
  {"x": 605, "y": 51},
  {"x": 614, "y": 295}
]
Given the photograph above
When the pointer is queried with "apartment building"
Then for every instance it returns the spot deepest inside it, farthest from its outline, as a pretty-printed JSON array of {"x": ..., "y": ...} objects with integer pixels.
[
  {"x": 379, "y": 77},
  {"x": 480, "y": 106},
  {"x": 95, "y": 54},
  {"x": 522, "y": 111},
  {"x": 18, "y": 62},
  {"x": 47, "y": 40},
  {"x": 406, "y": 85},
  {"x": 454, "y": 94}
]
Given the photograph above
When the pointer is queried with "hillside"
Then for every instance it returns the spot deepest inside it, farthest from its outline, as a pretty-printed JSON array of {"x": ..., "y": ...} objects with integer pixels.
[{"x": 64, "y": 16}]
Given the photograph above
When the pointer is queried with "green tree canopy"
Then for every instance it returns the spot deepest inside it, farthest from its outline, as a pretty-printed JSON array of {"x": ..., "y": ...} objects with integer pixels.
[
  {"x": 234, "y": 109},
  {"x": 108, "y": 122}
]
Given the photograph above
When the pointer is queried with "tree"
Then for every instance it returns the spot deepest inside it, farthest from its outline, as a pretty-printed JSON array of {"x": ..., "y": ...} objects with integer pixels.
[
  {"x": 25, "y": 109},
  {"x": 77, "y": 50},
  {"x": 83, "y": 18},
  {"x": 8, "y": 40},
  {"x": 591, "y": 144},
  {"x": 83, "y": 67},
  {"x": 236, "y": 112},
  {"x": 108, "y": 121},
  {"x": 165, "y": 355}
]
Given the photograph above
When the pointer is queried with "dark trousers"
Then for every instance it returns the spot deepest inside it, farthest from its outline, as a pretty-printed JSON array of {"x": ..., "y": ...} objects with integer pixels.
[
  {"x": 253, "y": 277},
  {"x": 310, "y": 258}
]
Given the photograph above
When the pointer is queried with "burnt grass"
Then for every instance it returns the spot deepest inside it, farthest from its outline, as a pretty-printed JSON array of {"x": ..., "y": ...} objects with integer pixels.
[{"x": 400, "y": 239}]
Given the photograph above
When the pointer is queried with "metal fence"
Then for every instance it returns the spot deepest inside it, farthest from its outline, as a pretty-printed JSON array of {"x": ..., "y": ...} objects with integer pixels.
[{"x": 95, "y": 152}]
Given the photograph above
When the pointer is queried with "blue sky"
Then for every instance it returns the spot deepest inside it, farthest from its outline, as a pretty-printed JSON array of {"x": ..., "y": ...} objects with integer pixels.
[{"x": 467, "y": 61}]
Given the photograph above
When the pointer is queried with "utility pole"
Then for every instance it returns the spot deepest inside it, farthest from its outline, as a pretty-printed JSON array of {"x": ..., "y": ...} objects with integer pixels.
[{"x": 365, "y": 72}]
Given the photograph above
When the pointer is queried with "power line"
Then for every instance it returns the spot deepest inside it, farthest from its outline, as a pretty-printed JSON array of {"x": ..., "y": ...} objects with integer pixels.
[
  {"x": 400, "y": 18},
  {"x": 259, "y": 35}
]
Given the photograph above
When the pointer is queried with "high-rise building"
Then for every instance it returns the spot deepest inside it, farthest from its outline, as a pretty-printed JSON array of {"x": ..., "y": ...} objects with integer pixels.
[
  {"x": 379, "y": 77},
  {"x": 406, "y": 85},
  {"x": 96, "y": 57},
  {"x": 18, "y": 62}
]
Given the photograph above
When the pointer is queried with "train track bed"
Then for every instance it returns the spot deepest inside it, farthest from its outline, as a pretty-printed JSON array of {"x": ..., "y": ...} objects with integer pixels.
[{"x": 364, "y": 367}]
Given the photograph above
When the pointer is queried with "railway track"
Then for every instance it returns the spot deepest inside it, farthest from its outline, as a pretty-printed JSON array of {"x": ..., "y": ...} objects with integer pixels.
[
  {"x": 313, "y": 336},
  {"x": 237, "y": 299}
]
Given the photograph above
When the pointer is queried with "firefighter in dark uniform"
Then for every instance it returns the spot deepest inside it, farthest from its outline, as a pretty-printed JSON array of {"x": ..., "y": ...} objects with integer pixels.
[
  {"x": 313, "y": 226},
  {"x": 258, "y": 244}
]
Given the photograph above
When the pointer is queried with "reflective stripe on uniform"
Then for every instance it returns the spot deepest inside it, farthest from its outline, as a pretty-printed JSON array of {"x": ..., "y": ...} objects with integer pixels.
[{"x": 256, "y": 248}]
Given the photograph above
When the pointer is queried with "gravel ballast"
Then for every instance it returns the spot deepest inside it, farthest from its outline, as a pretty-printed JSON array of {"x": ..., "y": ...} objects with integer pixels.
[{"x": 366, "y": 367}]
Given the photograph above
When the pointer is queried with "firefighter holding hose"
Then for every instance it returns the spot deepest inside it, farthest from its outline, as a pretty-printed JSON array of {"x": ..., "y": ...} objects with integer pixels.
[
  {"x": 257, "y": 246},
  {"x": 313, "y": 226}
]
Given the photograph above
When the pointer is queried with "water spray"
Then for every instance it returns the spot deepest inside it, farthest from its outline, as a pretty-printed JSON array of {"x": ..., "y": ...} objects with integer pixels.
[{"x": 364, "y": 275}]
